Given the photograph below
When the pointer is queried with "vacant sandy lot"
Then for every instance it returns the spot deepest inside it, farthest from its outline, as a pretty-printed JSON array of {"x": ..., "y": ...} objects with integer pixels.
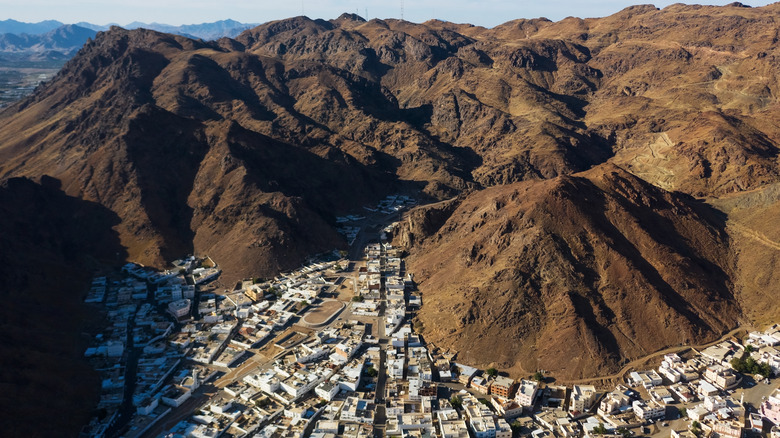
[{"x": 323, "y": 312}]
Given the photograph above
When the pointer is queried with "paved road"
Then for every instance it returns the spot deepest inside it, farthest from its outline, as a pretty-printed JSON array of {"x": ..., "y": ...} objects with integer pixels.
[
  {"x": 757, "y": 393},
  {"x": 380, "y": 417},
  {"x": 372, "y": 225},
  {"x": 198, "y": 399}
]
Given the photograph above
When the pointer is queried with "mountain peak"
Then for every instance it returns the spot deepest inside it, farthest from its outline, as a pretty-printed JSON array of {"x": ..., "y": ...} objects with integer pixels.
[
  {"x": 575, "y": 152},
  {"x": 349, "y": 17},
  {"x": 19, "y": 27}
]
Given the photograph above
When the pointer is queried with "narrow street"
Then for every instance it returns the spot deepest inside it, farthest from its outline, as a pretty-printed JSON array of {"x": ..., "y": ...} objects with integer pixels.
[
  {"x": 262, "y": 358},
  {"x": 380, "y": 417},
  {"x": 127, "y": 408}
]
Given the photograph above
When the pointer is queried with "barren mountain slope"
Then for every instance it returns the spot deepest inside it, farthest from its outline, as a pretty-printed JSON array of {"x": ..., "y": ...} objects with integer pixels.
[
  {"x": 247, "y": 148},
  {"x": 138, "y": 121},
  {"x": 755, "y": 241},
  {"x": 536, "y": 99},
  {"x": 574, "y": 274},
  {"x": 50, "y": 246},
  {"x": 180, "y": 183}
]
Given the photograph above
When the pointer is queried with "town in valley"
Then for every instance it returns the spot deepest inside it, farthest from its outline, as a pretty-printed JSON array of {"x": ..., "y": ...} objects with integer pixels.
[{"x": 331, "y": 350}]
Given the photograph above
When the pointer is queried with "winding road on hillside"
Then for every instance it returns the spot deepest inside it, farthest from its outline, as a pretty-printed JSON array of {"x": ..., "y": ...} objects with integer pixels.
[
  {"x": 637, "y": 362},
  {"x": 753, "y": 234}
]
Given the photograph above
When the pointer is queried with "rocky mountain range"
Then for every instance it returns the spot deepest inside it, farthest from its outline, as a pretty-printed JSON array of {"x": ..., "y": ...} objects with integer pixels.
[
  {"x": 20, "y": 27},
  {"x": 207, "y": 31},
  {"x": 55, "y": 41},
  {"x": 204, "y": 31},
  {"x": 576, "y": 274},
  {"x": 66, "y": 40},
  {"x": 600, "y": 188}
]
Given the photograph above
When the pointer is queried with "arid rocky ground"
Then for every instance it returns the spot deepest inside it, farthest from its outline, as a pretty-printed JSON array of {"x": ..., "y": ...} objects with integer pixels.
[{"x": 608, "y": 186}]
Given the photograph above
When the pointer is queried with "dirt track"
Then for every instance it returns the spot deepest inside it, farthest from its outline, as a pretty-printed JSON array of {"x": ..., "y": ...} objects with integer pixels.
[{"x": 634, "y": 364}]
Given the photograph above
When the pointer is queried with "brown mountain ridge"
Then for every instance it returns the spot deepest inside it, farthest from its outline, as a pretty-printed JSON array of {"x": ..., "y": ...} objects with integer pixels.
[
  {"x": 447, "y": 107},
  {"x": 574, "y": 274},
  {"x": 613, "y": 177}
]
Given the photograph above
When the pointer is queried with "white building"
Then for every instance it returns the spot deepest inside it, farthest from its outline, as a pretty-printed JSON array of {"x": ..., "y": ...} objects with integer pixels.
[
  {"x": 770, "y": 337},
  {"x": 327, "y": 426},
  {"x": 581, "y": 398},
  {"x": 698, "y": 412},
  {"x": 483, "y": 427},
  {"x": 175, "y": 396},
  {"x": 349, "y": 377},
  {"x": 305, "y": 354},
  {"x": 720, "y": 376},
  {"x": 527, "y": 393},
  {"x": 648, "y": 379},
  {"x": 770, "y": 356},
  {"x": 395, "y": 368},
  {"x": 508, "y": 410},
  {"x": 649, "y": 410},
  {"x": 179, "y": 308},
  {"x": 502, "y": 429},
  {"x": 613, "y": 402},
  {"x": 715, "y": 402},
  {"x": 327, "y": 390},
  {"x": 148, "y": 405},
  {"x": 358, "y": 410},
  {"x": 266, "y": 382},
  {"x": 297, "y": 387},
  {"x": 453, "y": 429}
]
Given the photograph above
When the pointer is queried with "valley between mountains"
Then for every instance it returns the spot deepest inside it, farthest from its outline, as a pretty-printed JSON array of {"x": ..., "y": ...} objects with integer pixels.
[{"x": 598, "y": 189}]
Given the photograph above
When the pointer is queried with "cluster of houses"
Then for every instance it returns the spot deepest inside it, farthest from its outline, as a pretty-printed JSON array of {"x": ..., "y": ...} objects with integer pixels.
[
  {"x": 183, "y": 334},
  {"x": 371, "y": 373},
  {"x": 339, "y": 364},
  {"x": 320, "y": 382},
  {"x": 306, "y": 377},
  {"x": 255, "y": 315},
  {"x": 765, "y": 347},
  {"x": 135, "y": 323},
  {"x": 700, "y": 387},
  {"x": 383, "y": 271},
  {"x": 349, "y": 225},
  {"x": 393, "y": 204},
  {"x": 138, "y": 310}
]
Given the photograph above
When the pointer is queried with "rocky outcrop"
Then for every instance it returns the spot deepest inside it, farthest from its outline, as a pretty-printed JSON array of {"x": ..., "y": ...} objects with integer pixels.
[
  {"x": 574, "y": 275},
  {"x": 247, "y": 149}
]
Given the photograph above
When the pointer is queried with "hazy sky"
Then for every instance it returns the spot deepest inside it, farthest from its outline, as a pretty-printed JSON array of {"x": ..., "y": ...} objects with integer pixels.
[{"x": 481, "y": 12}]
